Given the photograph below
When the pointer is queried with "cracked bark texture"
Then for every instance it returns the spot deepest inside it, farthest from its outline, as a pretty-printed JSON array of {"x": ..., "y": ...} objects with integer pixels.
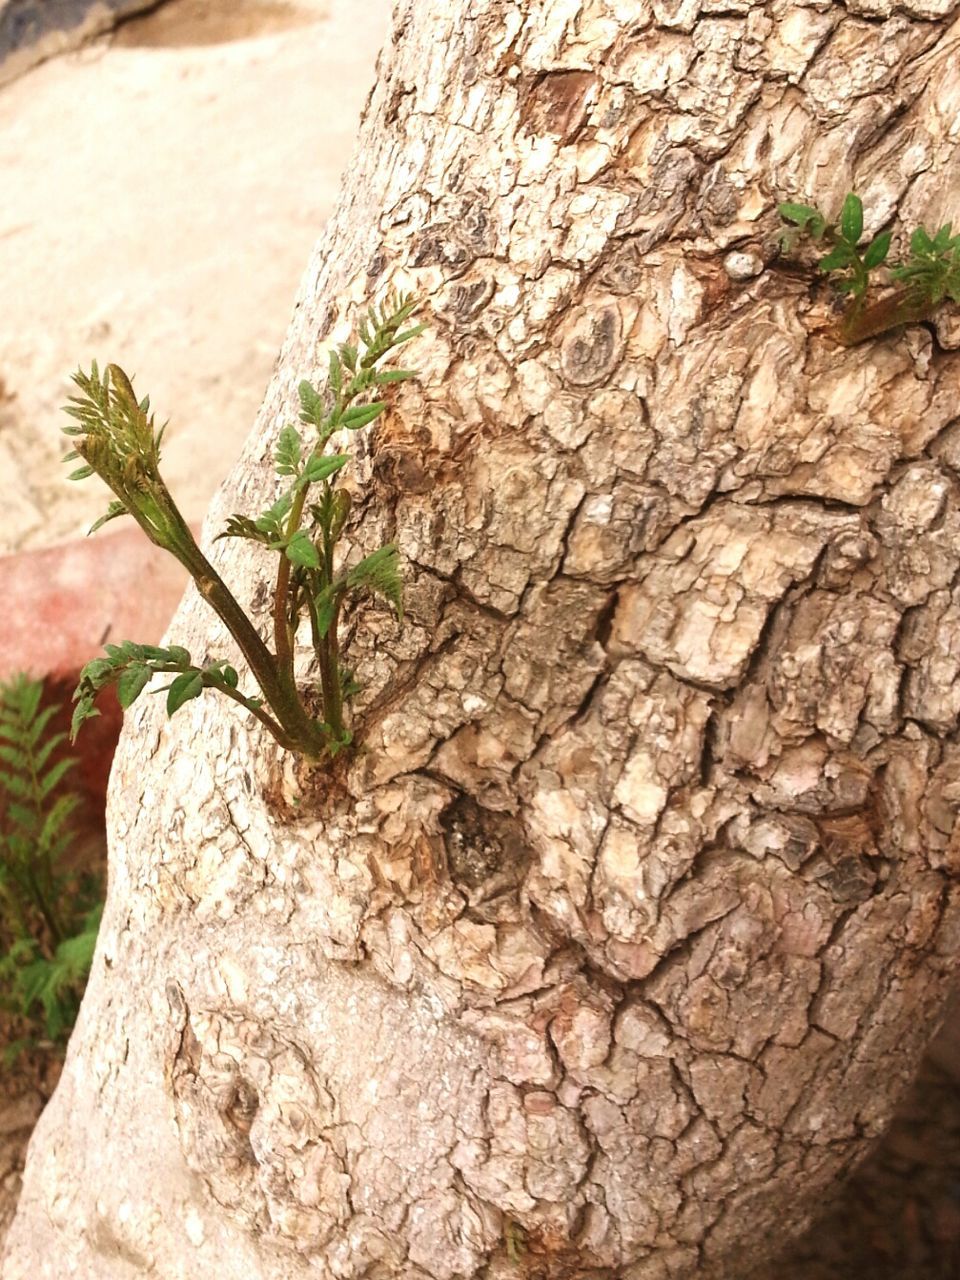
[{"x": 622, "y": 936}]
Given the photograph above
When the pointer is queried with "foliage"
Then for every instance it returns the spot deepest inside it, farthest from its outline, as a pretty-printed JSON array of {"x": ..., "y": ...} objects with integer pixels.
[
  {"x": 929, "y": 275},
  {"x": 115, "y": 437},
  {"x": 49, "y": 914}
]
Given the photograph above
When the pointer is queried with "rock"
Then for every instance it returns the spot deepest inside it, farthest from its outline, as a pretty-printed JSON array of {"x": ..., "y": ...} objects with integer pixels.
[
  {"x": 64, "y": 603},
  {"x": 31, "y": 30},
  {"x": 743, "y": 266}
]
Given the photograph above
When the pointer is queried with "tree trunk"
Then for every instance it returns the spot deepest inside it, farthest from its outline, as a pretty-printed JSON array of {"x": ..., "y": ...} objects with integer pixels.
[{"x": 620, "y": 938}]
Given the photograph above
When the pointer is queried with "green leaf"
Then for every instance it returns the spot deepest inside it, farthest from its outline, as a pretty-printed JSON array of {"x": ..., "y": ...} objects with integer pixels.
[
  {"x": 301, "y": 551},
  {"x": 38, "y": 728},
  {"x": 941, "y": 241},
  {"x": 222, "y": 671},
  {"x": 97, "y": 671},
  {"x": 243, "y": 527},
  {"x": 851, "y": 218},
  {"x": 920, "y": 242},
  {"x": 335, "y": 375},
  {"x": 801, "y": 214},
  {"x": 877, "y": 252},
  {"x": 288, "y": 451},
  {"x": 360, "y": 415},
  {"x": 184, "y": 688},
  {"x": 76, "y": 954},
  {"x": 12, "y": 1051},
  {"x": 24, "y": 817},
  {"x": 131, "y": 684},
  {"x": 394, "y": 375},
  {"x": 408, "y": 334},
  {"x": 25, "y": 696},
  {"x": 325, "y": 606},
  {"x": 271, "y": 520},
  {"x": 55, "y": 819},
  {"x": 312, "y": 408},
  {"x": 82, "y": 712},
  {"x": 339, "y": 510},
  {"x": 13, "y": 757},
  {"x": 55, "y": 774},
  {"x": 321, "y": 467},
  {"x": 380, "y": 574},
  {"x": 839, "y": 257},
  {"x": 348, "y": 354}
]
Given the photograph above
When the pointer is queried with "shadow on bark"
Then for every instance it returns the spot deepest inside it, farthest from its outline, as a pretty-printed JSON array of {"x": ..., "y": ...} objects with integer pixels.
[{"x": 898, "y": 1218}]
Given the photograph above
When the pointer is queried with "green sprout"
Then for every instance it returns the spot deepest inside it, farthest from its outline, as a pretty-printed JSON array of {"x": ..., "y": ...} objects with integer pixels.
[
  {"x": 929, "y": 276},
  {"x": 115, "y": 437}
]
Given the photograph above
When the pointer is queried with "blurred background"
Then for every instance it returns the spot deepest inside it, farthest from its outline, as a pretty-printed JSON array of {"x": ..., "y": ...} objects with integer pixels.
[{"x": 161, "y": 188}]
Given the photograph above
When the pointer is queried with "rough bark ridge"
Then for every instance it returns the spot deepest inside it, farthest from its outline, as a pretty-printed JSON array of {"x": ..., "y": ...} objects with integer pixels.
[{"x": 622, "y": 936}]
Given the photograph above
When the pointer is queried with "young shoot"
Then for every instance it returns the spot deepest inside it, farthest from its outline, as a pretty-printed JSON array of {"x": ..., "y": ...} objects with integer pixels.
[
  {"x": 115, "y": 437},
  {"x": 929, "y": 275}
]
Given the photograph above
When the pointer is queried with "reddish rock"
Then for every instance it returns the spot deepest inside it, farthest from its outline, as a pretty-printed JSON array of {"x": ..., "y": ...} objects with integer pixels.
[{"x": 64, "y": 603}]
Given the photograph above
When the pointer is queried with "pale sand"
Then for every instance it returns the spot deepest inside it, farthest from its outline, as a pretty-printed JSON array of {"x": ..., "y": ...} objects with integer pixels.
[{"x": 160, "y": 193}]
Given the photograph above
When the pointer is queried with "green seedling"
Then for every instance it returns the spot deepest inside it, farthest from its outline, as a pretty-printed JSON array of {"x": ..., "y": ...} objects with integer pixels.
[
  {"x": 115, "y": 437},
  {"x": 929, "y": 276},
  {"x": 49, "y": 913}
]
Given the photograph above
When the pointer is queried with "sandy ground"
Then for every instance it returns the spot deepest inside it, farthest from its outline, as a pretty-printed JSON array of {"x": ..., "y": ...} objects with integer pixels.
[{"x": 161, "y": 192}]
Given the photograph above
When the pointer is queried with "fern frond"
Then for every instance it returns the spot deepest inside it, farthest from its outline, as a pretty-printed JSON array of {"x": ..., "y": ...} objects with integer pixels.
[{"x": 35, "y": 819}]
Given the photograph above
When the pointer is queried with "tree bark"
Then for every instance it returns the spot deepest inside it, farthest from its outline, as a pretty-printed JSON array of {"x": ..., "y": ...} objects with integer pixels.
[{"x": 622, "y": 935}]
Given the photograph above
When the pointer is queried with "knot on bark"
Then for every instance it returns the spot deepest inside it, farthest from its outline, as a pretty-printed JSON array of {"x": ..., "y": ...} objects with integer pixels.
[{"x": 253, "y": 1121}]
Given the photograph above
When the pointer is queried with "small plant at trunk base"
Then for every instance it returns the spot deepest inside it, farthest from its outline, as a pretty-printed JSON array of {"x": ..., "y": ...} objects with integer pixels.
[
  {"x": 929, "y": 276},
  {"x": 115, "y": 437},
  {"x": 49, "y": 914}
]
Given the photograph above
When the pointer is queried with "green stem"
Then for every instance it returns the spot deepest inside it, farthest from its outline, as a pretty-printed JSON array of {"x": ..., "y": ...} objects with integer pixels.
[
  {"x": 333, "y": 688},
  {"x": 281, "y": 627},
  {"x": 300, "y": 732},
  {"x": 45, "y": 909},
  {"x": 249, "y": 704},
  {"x": 286, "y": 742},
  {"x": 329, "y": 652}
]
